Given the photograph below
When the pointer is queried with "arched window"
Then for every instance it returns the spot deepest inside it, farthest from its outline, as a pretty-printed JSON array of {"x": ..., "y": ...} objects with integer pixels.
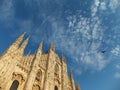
[
  {"x": 39, "y": 75},
  {"x": 14, "y": 85},
  {"x": 55, "y": 88},
  {"x": 56, "y": 72}
]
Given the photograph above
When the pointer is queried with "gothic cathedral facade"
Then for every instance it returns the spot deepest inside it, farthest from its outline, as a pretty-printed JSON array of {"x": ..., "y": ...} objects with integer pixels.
[{"x": 39, "y": 71}]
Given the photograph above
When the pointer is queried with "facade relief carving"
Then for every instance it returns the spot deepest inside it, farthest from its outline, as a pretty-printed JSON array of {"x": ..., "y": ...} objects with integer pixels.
[{"x": 19, "y": 77}]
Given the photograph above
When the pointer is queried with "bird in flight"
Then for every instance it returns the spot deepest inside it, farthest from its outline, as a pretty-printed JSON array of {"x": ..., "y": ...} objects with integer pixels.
[{"x": 103, "y": 51}]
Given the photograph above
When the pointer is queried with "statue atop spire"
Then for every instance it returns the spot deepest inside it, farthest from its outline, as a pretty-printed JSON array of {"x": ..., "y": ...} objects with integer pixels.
[
  {"x": 24, "y": 44},
  {"x": 40, "y": 48},
  {"x": 72, "y": 80},
  {"x": 77, "y": 86},
  {"x": 52, "y": 47},
  {"x": 71, "y": 76},
  {"x": 63, "y": 58}
]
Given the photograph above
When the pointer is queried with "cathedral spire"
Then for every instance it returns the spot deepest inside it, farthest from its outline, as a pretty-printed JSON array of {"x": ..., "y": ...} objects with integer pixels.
[
  {"x": 39, "y": 50},
  {"x": 34, "y": 68},
  {"x": 18, "y": 41},
  {"x": 72, "y": 80},
  {"x": 63, "y": 58},
  {"x": 24, "y": 44},
  {"x": 52, "y": 47},
  {"x": 77, "y": 86},
  {"x": 71, "y": 76},
  {"x": 15, "y": 44},
  {"x": 29, "y": 52}
]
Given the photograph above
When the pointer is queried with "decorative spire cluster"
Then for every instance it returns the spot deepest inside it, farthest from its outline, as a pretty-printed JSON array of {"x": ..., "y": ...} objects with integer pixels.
[
  {"x": 19, "y": 40},
  {"x": 16, "y": 44}
]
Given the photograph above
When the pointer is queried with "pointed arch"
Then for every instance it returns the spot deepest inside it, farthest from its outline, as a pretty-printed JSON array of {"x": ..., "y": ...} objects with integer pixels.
[
  {"x": 39, "y": 75},
  {"x": 56, "y": 69},
  {"x": 14, "y": 85},
  {"x": 55, "y": 88}
]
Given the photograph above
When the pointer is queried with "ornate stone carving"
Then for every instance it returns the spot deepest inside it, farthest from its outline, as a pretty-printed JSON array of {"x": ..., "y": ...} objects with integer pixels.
[
  {"x": 19, "y": 77},
  {"x": 36, "y": 87}
]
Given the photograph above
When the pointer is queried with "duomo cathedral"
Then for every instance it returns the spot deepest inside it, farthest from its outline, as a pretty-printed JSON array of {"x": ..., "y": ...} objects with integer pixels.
[{"x": 39, "y": 71}]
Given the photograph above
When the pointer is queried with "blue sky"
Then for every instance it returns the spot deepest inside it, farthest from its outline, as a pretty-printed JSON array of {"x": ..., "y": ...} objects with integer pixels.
[{"x": 87, "y": 32}]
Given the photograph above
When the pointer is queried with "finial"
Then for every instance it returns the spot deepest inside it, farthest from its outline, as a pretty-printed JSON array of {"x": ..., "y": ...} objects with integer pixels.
[
  {"x": 52, "y": 47},
  {"x": 21, "y": 37},
  {"x": 77, "y": 86},
  {"x": 41, "y": 44},
  {"x": 39, "y": 50},
  {"x": 24, "y": 44},
  {"x": 63, "y": 58},
  {"x": 29, "y": 52},
  {"x": 71, "y": 73},
  {"x": 23, "y": 33}
]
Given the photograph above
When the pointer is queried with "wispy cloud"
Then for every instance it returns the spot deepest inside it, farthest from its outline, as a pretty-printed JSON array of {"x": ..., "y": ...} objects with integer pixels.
[
  {"x": 111, "y": 4},
  {"x": 116, "y": 51},
  {"x": 118, "y": 66},
  {"x": 103, "y": 6},
  {"x": 6, "y": 11},
  {"x": 82, "y": 40},
  {"x": 117, "y": 75},
  {"x": 78, "y": 71},
  {"x": 114, "y": 4},
  {"x": 94, "y": 7}
]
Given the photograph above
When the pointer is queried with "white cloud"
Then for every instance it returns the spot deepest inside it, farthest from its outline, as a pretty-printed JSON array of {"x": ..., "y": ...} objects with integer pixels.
[
  {"x": 78, "y": 71},
  {"x": 118, "y": 66},
  {"x": 6, "y": 11},
  {"x": 103, "y": 6},
  {"x": 94, "y": 8},
  {"x": 94, "y": 60},
  {"x": 81, "y": 41},
  {"x": 114, "y": 4},
  {"x": 116, "y": 51},
  {"x": 117, "y": 75}
]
